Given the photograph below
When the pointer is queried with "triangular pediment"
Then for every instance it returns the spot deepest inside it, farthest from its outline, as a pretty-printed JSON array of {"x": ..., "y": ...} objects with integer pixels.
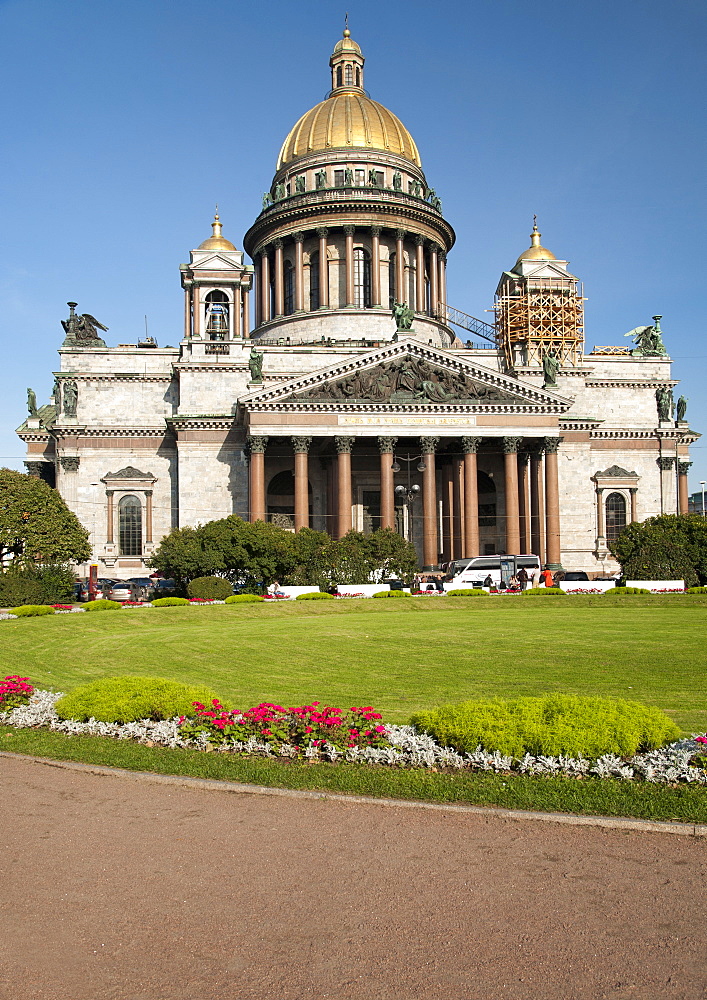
[
  {"x": 407, "y": 374},
  {"x": 227, "y": 261}
]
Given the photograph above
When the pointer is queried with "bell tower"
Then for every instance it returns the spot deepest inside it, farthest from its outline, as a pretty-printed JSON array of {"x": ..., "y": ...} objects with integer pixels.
[{"x": 216, "y": 286}]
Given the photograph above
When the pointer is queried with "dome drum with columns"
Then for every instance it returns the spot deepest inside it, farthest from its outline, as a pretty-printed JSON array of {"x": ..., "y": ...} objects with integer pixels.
[{"x": 296, "y": 398}]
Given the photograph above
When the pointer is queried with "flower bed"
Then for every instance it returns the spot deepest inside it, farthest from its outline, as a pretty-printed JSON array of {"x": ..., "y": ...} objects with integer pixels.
[{"x": 683, "y": 761}]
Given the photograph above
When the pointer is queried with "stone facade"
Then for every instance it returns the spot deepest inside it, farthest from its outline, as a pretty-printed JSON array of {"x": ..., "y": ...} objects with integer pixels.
[{"x": 295, "y": 397}]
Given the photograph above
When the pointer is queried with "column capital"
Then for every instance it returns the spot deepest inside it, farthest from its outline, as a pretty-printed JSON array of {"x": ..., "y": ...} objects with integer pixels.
[
  {"x": 34, "y": 469},
  {"x": 536, "y": 450},
  {"x": 511, "y": 445},
  {"x": 278, "y": 244},
  {"x": 420, "y": 240},
  {"x": 298, "y": 237},
  {"x": 256, "y": 444},
  {"x": 264, "y": 250},
  {"x": 349, "y": 230},
  {"x": 322, "y": 232},
  {"x": 110, "y": 493},
  {"x": 470, "y": 445},
  {"x": 301, "y": 444},
  {"x": 400, "y": 234},
  {"x": 429, "y": 445},
  {"x": 433, "y": 247},
  {"x": 148, "y": 493},
  {"x": 633, "y": 490},
  {"x": 442, "y": 254},
  {"x": 683, "y": 468},
  {"x": 70, "y": 463},
  {"x": 376, "y": 230},
  {"x": 665, "y": 463},
  {"x": 552, "y": 445},
  {"x": 386, "y": 445},
  {"x": 344, "y": 444}
]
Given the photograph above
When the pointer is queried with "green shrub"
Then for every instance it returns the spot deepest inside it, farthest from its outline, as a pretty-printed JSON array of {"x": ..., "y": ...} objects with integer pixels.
[
  {"x": 129, "y": 699},
  {"x": 244, "y": 598},
  {"x": 392, "y": 593},
  {"x": 210, "y": 588},
  {"x": 551, "y": 724},
  {"x": 102, "y": 605},
  {"x": 625, "y": 591},
  {"x": 466, "y": 593},
  {"x": 540, "y": 591},
  {"x": 170, "y": 602},
  {"x": 696, "y": 590},
  {"x": 31, "y": 610},
  {"x": 34, "y": 584},
  {"x": 315, "y": 596}
]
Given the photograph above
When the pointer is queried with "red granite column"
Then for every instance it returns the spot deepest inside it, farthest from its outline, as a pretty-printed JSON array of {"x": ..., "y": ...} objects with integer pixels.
[
  {"x": 264, "y": 286},
  {"x": 400, "y": 295},
  {"x": 523, "y": 505},
  {"x": 375, "y": 267},
  {"x": 323, "y": 269},
  {"x": 510, "y": 456},
  {"x": 552, "y": 504},
  {"x": 471, "y": 497},
  {"x": 246, "y": 312},
  {"x": 683, "y": 508},
  {"x": 257, "y": 445},
  {"x": 457, "y": 513},
  {"x": 386, "y": 446},
  {"x": 299, "y": 272},
  {"x": 345, "y": 500},
  {"x": 420, "y": 295},
  {"x": 430, "y": 547},
  {"x": 109, "y": 518},
  {"x": 349, "y": 234},
  {"x": 537, "y": 504},
  {"x": 279, "y": 280},
  {"x": 301, "y": 449}
]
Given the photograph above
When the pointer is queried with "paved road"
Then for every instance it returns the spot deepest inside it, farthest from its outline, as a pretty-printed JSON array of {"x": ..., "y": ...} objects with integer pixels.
[{"x": 113, "y": 888}]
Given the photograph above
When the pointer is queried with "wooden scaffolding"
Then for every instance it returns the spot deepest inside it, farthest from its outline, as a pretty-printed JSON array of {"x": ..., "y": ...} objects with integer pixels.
[{"x": 535, "y": 315}]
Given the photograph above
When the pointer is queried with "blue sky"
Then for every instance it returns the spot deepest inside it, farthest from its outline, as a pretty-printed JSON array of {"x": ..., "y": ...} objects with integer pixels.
[{"x": 125, "y": 123}]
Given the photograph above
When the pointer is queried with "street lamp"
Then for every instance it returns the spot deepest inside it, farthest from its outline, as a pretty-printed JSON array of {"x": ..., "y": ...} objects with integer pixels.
[
  {"x": 703, "y": 484},
  {"x": 408, "y": 494}
]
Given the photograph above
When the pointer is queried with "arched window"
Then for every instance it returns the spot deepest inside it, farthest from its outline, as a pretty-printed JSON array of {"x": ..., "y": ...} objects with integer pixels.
[
  {"x": 349, "y": 75},
  {"x": 217, "y": 315},
  {"x": 338, "y": 76},
  {"x": 289, "y": 289},
  {"x": 362, "y": 279},
  {"x": 391, "y": 281},
  {"x": 615, "y": 516},
  {"x": 358, "y": 77},
  {"x": 130, "y": 526},
  {"x": 314, "y": 281}
]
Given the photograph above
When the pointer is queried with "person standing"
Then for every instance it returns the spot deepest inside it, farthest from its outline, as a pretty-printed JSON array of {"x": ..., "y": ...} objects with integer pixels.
[
  {"x": 523, "y": 578},
  {"x": 546, "y": 577}
]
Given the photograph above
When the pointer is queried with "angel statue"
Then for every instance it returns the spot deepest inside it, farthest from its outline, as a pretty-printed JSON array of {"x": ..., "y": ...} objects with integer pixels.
[
  {"x": 82, "y": 331},
  {"x": 648, "y": 340}
]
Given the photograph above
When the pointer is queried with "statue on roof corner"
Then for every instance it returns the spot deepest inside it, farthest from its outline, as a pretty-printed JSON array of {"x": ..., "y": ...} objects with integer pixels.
[
  {"x": 31, "y": 403},
  {"x": 82, "y": 331},
  {"x": 648, "y": 340},
  {"x": 551, "y": 366},
  {"x": 403, "y": 315},
  {"x": 255, "y": 364}
]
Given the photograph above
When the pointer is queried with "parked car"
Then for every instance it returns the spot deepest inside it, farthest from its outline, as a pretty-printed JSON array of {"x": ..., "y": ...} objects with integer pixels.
[
  {"x": 124, "y": 591},
  {"x": 146, "y": 586},
  {"x": 81, "y": 590},
  {"x": 163, "y": 588},
  {"x": 575, "y": 575}
]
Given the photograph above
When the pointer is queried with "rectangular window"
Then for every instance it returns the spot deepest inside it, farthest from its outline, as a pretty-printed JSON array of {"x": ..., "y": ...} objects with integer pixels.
[
  {"x": 338, "y": 178},
  {"x": 360, "y": 178}
]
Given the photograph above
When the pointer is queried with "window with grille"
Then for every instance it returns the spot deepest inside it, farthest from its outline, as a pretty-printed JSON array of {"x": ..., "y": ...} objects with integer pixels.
[
  {"x": 362, "y": 279},
  {"x": 217, "y": 315},
  {"x": 289, "y": 303},
  {"x": 615, "y": 516},
  {"x": 349, "y": 75},
  {"x": 338, "y": 178},
  {"x": 130, "y": 526},
  {"x": 391, "y": 281},
  {"x": 314, "y": 281}
]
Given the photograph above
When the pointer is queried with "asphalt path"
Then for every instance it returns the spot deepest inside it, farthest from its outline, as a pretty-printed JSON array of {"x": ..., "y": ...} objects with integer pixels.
[{"x": 115, "y": 887}]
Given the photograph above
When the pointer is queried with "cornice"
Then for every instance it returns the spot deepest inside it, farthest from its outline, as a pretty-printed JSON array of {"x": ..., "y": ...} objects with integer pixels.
[
  {"x": 310, "y": 406},
  {"x": 621, "y": 383},
  {"x": 124, "y": 430},
  {"x": 117, "y": 376}
]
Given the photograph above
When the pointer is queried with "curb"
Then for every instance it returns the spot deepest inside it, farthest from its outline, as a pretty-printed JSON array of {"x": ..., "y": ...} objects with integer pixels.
[{"x": 206, "y": 784}]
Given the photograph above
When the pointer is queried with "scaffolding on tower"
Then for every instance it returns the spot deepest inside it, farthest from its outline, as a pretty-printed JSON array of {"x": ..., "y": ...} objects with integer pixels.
[{"x": 538, "y": 314}]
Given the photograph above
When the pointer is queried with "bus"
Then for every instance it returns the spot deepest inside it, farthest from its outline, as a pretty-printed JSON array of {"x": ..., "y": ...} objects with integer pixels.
[{"x": 472, "y": 572}]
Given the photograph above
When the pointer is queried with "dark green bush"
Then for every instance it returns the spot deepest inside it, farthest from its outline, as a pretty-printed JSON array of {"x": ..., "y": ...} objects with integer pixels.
[
  {"x": 315, "y": 596},
  {"x": 392, "y": 593},
  {"x": 210, "y": 588},
  {"x": 170, "y": 602},
  {"x": 551, "y": 724},
  {"x": 31, "y": 610},
  {"x": 547, "y": 591},
  {"x": 244, "y": 598},
  {"x": 625, "y": 591},
  {"x": 129, "y": 699},
  {"x": 466, "y": 593},
  {"x": 102, "y": 605},
  {"x": 34, "y": 584},
  {"x": 696, "y": 590}
]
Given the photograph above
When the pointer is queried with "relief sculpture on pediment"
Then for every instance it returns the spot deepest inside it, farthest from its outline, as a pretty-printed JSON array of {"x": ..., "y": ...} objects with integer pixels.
[{"x": 406, "y": 380}]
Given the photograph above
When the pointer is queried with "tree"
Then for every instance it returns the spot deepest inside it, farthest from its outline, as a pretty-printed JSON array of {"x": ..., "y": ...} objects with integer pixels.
[
  {"x": 36, "y": 526},
  {"x": 667, "y": 547}
]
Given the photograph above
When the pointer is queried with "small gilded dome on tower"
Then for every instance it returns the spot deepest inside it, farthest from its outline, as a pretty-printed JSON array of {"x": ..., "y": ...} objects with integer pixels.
[
  {"x": 536, "y": 251},
  {"x": 216, "y": 241},
  {"x": 347, "y": 44}
]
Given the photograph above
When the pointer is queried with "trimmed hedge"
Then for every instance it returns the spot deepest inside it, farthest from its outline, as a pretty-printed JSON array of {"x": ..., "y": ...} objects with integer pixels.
[
  {"x": 696, "y": 590},
  {"x": 170, "y": 602},
  {"x": 555, "y": 724},
  {"x": 130, "y": 699},
  {"x": 50, "y": 584},
  {"x": 243, "y": 599},
  {"x": 626, "y": 591},
  {"x": 315, "y": 596},
  {"x": 392, "y": 593},
  {"x": 210, "y": 588},
  {"x": 102, "y": 605},
  {"x": 31, "y": 610},
  {"x": 466, "y": 593},
  {"x": 544, "y": 591}
]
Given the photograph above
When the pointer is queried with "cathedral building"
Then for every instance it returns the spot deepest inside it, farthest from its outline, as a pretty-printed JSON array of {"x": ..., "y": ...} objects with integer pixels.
[{"x": 330, "y": 384}]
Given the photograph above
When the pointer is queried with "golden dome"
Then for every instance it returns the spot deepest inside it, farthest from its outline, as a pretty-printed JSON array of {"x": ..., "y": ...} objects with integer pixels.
[
  {"x": 216, "y": 241},
  {"x": 535, "y": 251},
  {"x": 348, "y": 120},
  {"x": 347, "y": 44}
]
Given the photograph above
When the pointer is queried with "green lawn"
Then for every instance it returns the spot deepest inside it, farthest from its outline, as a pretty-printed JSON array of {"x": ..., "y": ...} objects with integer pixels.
[{"x": 399, "y": 656}]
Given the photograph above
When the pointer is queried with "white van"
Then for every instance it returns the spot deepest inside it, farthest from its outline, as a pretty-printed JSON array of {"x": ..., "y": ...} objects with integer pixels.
[{"x": 472, "y": 572}]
